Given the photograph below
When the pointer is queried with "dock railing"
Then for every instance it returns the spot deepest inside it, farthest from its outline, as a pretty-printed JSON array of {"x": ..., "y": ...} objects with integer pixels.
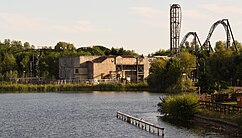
[
  {"x": 141, "y": 124},
  {"x": 219, "y": 107}
]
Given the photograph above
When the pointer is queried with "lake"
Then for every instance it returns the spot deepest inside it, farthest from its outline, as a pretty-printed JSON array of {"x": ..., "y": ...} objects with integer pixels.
[{"x": 91, "y": 114}]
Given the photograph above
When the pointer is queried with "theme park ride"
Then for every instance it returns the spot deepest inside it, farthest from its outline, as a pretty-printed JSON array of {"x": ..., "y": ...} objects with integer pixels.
[{"x": 175, "y": 29}]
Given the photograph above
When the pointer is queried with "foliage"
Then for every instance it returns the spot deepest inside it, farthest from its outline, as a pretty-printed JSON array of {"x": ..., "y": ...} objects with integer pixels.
[
  {"x": 121, "y": 51},
  {"x": 7, "y": 87},
  {"x": 164, "y": 74},
  {"x": 188, "y": 62},
  {"x": 26, "y": 61},
  {"x": 187, "y": 85},
  {"x": 220, "y": 69},
  {"x": 172, "y": 75},
  {"x": 179, "y": 107},
  {"x": 64, "y": 46},
  {"x": 9, "y": 62},
  {"x": 161, "y": 52}
]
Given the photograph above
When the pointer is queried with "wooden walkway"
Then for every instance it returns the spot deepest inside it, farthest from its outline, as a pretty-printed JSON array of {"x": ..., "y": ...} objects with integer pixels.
[
  {"x": 141, "y": 124},
  {"x": 223, "y": 108}
]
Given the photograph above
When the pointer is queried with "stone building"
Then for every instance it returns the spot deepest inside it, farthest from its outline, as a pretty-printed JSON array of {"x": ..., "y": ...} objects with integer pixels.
[
  {"x": 130, "y": 68},
  {"x": 74, "y": 67}
]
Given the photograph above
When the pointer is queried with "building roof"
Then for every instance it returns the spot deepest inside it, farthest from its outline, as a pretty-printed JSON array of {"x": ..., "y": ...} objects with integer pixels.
[
  {"x": 127, "y": 56},
  {"x": 101, "y": 59}
]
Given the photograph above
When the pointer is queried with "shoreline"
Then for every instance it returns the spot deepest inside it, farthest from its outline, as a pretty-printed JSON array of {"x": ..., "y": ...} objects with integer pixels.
[
  {"x": 221, "y": 125},
  {"x": 206, "y": 123},
  {"x": 212, "y": 120},
  {"x": 43, "y": 88}
]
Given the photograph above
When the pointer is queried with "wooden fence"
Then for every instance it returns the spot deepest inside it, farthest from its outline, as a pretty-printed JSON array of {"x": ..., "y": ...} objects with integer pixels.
[
  {"x": 141, "y": 124},
  {"x": 218, "y": 107}
]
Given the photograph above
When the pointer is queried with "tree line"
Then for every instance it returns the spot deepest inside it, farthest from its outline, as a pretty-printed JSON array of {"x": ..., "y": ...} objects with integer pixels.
[
  {"x": 207, "y": 70},
  {"x": 23, "y": 60}
]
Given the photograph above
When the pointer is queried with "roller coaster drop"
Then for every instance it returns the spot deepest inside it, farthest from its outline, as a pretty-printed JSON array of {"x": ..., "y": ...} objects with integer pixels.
[{"x": 228, "y": 31}]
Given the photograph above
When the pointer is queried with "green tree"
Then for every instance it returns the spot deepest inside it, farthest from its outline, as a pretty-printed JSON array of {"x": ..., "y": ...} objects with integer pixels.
[
  {"x": 161, "y": 52},
  {"x": 27, "y": 45},
  {"x": 64, "y": 46},
  {"x": 12, "y": 76},
  {"x": 188, "y": 62},
  {"x": 113, "y": 51},
  {"x": 25, "y": 64},
  {"x": 7, "y": 42},
  {"x": 9, "y": 62},
  {"x": 165, "y": 75},
  {"x": 17, "y": 44},
  {"x": 155, "y": 79},
  {"x": 173, "y": 74}
]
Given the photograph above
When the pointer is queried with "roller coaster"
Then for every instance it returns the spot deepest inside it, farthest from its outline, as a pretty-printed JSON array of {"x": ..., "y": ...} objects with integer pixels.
[
  {"x": 207, "y": 45},
  {"x": 195, "y": 40}
]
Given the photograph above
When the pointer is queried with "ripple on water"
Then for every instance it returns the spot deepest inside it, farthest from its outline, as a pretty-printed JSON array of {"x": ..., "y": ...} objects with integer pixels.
[{"x": 79, "y": 115}]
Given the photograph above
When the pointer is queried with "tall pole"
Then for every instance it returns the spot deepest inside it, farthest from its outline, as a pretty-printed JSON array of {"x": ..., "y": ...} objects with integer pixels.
[
  {"x": 137, "y": 69},
  {"x": 175, "y": 28}
]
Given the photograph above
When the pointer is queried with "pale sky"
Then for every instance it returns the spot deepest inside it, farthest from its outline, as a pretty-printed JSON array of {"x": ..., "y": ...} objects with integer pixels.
[{"x": 141, "y": 25}]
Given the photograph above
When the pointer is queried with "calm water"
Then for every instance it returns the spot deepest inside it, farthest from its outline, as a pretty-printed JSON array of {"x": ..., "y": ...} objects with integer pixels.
[{"x": 83, "y": 115}]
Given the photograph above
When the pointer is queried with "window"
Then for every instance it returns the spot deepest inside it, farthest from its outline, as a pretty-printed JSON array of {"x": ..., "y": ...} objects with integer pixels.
[{"x": 76, "y": 71}]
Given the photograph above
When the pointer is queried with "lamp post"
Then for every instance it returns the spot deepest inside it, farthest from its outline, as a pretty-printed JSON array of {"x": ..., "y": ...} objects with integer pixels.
[
  {"x": 24, "y": 76},
  {"x": 31, "y": 70}
]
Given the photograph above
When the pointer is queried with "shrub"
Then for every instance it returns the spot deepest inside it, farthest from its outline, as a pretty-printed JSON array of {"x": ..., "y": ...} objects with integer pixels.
[
  {"x": 179, "y": 106},
  {"x": 73, "y": 87}
]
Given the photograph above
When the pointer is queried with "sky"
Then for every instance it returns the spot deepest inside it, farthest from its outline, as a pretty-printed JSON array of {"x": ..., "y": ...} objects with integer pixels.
[{"x": 139, "y": 25}]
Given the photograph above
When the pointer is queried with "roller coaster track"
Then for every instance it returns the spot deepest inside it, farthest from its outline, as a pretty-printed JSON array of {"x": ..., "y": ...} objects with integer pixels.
[
  {"x": 228, "y": 31},
  {"x": 195, "y": 40}
]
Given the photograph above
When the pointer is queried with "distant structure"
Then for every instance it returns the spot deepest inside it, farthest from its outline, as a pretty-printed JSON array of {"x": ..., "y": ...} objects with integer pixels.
[
  {"x": 104, "y": 68},
  {"x": 207, "y": 45},
  {"x": 175, "y": 28},
  {"x": 196, "y": 41},
  {"x": 228, "y": 31}
]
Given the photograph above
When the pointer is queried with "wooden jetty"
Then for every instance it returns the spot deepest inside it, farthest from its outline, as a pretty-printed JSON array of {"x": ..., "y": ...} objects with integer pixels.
[{"x": 141, "y": 124}]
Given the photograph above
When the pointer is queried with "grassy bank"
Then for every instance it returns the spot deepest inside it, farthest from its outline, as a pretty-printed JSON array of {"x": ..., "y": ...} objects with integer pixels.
[
  {"x": 185, "y": 109},
  {"x": 231, "y": 122},
  {"x": 4, "y": 88},
  {"x": 234, "y": 118}
]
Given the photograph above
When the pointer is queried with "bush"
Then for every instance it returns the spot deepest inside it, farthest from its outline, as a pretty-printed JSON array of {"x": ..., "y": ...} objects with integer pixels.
[
  {"x": 73, "y": 87},
  {"x": 180, "y": 106}
]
